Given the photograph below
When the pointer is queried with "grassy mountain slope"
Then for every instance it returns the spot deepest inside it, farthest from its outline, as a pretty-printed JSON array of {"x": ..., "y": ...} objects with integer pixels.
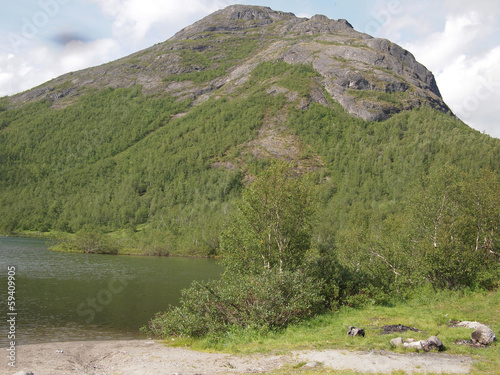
[{"x": 156, "y": 147}]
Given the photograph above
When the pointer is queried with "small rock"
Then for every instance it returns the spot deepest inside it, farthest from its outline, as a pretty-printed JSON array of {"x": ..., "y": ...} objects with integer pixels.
[
  {"x": 24, "y": 373},
  {"x": 483, "y": 335},
  {"x": 467, "y": 324},
  {"x": 414, "y": 345},
  {"x": 432, "y": 343},
  {"x": 353, "y": 331},
  {"x": 398, "y": 341}
]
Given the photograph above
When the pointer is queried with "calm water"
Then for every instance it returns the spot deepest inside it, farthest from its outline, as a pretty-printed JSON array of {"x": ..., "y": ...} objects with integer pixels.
[{"x": 65, "y": 297}]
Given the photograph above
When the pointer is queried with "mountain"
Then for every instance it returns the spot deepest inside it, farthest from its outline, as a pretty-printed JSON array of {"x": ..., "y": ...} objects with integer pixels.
[
  {"x": 156, "y": 147},
  {"x": 371, "y": 78}
]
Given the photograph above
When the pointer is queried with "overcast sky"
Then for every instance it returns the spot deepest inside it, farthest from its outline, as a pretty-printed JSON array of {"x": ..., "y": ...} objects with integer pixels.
[{"x": 458, "y": 40}]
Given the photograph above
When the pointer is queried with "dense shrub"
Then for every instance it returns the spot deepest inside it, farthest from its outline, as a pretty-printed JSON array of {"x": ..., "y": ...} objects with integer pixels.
[
  {"x": 339, "y": 285},
  {"x": 90, "y": 241},
  {"x": 270, "y": 300}
]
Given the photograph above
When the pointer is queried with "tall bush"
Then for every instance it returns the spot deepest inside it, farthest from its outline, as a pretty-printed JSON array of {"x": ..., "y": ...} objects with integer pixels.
[
  {"x": 273, "y": 226},
  {"x": 265, "y": 285},
  {"x": 270, "y": 300}
]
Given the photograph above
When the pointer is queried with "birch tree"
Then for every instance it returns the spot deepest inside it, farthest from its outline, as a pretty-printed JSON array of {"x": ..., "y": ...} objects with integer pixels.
[{"x": 272, "y": 229}]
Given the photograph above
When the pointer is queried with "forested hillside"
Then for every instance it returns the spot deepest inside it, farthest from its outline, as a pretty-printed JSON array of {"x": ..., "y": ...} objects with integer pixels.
[{"x": 155, "y": 149}]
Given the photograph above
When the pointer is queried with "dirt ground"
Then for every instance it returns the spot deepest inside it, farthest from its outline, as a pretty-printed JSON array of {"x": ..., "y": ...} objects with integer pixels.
[{"x": 143, "y": 357}]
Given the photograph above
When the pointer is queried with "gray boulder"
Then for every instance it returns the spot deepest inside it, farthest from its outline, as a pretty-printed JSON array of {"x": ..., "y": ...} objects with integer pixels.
[
  {"x": 468, "y": 324},
  {"x": 398, "y": 341},
  {"x": 483, "y": 335},
  {"x": 411, "y": 344},
  {"x": 432, "y": 343}
]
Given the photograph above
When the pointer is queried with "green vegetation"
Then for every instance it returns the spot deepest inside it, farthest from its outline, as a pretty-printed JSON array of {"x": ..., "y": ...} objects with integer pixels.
[
  {"x": 116, "y": 160},
  {"x": 264, "y": 304},
  {"x": 196, "y": 77},
  {"x": 268, "y": 70},
  {"x": 298, "y": 77},
  {"x": 265, "y": 284},
  {"x": 273, "y": 225},
  {"x": 394, "y": 98},
  {"x": 430, "y": 312},
  {"x": 209, "y": 59},
  {"x": 90, "y": 241},
  {"x": 124, "y": 164}
]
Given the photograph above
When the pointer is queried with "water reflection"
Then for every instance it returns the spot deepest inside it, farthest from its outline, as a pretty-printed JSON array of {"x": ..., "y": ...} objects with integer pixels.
[{"x": 64, "y": 297}]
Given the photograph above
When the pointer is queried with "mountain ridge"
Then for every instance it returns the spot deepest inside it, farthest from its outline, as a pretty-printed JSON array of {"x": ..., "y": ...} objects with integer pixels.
[{"x": 371, "y": 78}]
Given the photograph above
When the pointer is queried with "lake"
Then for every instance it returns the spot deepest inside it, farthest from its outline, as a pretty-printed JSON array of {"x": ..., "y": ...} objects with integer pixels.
[{"x": 72, "y": 296}]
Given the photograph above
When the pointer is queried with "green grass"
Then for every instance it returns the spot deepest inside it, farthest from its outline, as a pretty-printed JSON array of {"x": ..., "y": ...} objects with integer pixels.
[
  {"x": 197, "y": 77},
  {"x": 395, "y": 98},
  {"x": 428, "y": 311}
]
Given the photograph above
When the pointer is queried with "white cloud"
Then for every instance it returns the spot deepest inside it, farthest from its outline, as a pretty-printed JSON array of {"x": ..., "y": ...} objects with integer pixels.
[
  {"x": 465, "y": 58},
  {"x": 457, "y": 39},
  {"x": 391, "y": 18},
  {"x": 12, "y": 69},
  {"x": 136, "y": 22},
  {"x": 19, "y": 72},
  {"x": 461, "y": 47},
  {"x": 471, "y": 87},
  {"x": 488, "y": 8}
]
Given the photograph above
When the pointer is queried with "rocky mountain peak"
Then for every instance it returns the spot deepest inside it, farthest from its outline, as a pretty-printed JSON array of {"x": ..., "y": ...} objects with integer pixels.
[
  {"x": 241, "y": 18},
  {"x": 248, "y": 12},
  {"x": 371, "y": 78}
]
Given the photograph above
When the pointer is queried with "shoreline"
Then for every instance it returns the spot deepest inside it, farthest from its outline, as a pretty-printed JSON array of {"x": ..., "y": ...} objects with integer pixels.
[
  {"x": 48, "y": 237},
  {"x": 137, "y": 357}
]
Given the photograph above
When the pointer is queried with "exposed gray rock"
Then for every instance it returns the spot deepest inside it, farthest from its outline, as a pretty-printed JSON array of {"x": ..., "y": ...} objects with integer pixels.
[
  {"x": 468, "y": 324},
  {"x": 417, "y": 345},
  {"x": 483, "y": 335},
  {"x": 371, "y": 78},
  {"x": 312, "y": 364},
  {"x": 432, "y": 343},
  {"x": 398, "y": 341}
]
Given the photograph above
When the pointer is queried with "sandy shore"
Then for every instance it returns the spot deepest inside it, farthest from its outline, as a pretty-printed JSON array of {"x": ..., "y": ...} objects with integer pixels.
[{"x": 143, "y": 357}]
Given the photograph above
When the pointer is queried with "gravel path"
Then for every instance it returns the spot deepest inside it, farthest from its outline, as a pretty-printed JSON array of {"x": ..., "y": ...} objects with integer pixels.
[{"x": 143, "y": 357}]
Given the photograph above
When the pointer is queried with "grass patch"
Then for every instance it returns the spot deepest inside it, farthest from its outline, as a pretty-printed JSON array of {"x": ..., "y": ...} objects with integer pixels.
[
  {"x": 196, "y": 77},
  {"x": 429, "y": 312},
  {"x": 395, "y": 98}
]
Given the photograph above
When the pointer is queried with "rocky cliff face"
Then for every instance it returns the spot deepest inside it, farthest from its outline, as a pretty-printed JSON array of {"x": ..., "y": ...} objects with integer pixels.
[{"x": 371, "y": 78}]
